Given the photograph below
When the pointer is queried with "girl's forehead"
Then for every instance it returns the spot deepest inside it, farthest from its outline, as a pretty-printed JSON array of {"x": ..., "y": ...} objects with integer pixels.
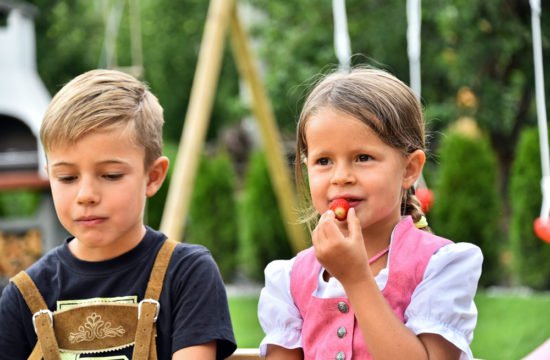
[{"x": 336, "y": 122}]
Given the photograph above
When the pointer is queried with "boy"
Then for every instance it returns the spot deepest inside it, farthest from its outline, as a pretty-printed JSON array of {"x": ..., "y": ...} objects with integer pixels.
[{"x": 102, "y": 134}]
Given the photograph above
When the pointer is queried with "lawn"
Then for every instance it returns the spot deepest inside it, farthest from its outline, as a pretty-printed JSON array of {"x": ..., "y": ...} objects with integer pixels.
[{"x": 509, "y": 327}]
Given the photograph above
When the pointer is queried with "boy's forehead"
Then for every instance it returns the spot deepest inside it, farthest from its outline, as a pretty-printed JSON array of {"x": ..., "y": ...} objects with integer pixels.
[{"x": 99, "y": 143}]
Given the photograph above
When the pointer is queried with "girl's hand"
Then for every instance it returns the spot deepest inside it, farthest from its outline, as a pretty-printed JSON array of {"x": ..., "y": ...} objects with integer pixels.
[{"x": 344, "y": 257}]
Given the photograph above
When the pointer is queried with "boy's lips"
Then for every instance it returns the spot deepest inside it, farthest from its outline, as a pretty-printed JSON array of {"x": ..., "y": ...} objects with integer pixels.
[{"x": 90, "y": 220}]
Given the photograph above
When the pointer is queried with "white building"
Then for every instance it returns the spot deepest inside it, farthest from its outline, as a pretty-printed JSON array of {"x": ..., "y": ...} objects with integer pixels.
[{"x": 23, "y": 102}]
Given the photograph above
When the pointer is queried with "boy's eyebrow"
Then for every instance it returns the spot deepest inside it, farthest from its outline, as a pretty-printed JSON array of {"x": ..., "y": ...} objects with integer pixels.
[{"x": 104, "y": 162}]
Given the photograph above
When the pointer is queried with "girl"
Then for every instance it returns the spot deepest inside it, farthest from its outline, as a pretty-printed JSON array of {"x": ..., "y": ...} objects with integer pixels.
[{"x": 374, "y": 285}]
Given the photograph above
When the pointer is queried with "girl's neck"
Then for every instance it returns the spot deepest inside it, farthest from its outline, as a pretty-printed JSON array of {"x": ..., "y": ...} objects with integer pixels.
[{"x": 378, "y": 236}]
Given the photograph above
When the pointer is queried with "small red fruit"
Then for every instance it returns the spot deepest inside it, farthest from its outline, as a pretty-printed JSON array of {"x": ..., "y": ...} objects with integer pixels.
[
  {"x": 426, "y": 198},
  {"x": 340, "y": 208},
  {"x": 542, "y": 229}
]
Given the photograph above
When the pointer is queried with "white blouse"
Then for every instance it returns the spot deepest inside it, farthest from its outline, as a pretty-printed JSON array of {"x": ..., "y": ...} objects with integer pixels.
[{"x": 443, "y": 302}]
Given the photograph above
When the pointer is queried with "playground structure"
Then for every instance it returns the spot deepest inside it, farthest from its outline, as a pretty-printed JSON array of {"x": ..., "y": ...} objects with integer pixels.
[
  {"x": 222, "y": 14},
  {"x": 23, "y": 100}
]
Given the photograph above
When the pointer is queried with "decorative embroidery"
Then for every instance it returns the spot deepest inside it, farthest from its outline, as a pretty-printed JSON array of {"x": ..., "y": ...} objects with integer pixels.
[{"x": 95, "y": 328}]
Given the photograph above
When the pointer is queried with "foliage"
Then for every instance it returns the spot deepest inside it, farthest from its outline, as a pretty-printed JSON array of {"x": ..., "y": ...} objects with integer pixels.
[
  {"x": 531, "y": 255},
  {"x": 293, "y": 61},
  {"x": 212, "y": 219},
  {"x": 70, "y": 37},
  {"x": 172, "y": 37},
  {"x": 263, "y": 236},
  {"x": 467, "y": 204},
  {"x": 19, "y": 203}
]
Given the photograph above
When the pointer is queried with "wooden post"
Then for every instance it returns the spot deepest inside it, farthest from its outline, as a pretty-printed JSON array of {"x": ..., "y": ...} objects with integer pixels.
[
  {"x": 197, "y": 119},
  {"x": 261, "y": 107}
]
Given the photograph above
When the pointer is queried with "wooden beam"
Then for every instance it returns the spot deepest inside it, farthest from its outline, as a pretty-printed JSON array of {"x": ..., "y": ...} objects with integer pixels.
[
  {"x": 197, "y": 119},
  {"x": 262, "y": 109}
]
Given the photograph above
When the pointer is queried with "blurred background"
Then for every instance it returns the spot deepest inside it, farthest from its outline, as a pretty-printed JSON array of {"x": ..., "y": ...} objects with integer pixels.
[{"x": 478, "y": 93}]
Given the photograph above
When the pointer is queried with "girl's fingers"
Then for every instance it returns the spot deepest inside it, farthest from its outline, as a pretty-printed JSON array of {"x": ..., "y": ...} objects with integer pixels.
[{"x": 354, "y": 224}]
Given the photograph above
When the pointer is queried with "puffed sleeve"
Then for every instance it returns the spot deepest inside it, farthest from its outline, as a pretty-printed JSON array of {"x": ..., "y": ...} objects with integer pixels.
[
  {"x": 443, "y": 302},
  {"x": 277, "y": 314}
]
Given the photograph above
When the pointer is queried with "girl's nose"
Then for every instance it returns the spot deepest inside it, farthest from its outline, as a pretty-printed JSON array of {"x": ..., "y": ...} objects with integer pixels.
[
  {"x": 343, "y": 175},
  {"x": 87, "y": 193}
]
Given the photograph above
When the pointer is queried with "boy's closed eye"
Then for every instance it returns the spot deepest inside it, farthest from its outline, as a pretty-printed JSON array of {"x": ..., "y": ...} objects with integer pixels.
[
  {"x": 113, "y": 177},
  {"x": 67, "y": 179}
]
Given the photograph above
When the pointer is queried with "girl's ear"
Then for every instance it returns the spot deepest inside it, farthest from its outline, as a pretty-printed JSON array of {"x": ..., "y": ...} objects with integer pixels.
[
  {"x": 413, "y": 168},
  {"x": 156, "y": 175}
]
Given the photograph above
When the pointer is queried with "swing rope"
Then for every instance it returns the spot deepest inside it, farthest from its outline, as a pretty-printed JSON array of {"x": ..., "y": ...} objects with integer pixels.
[
  {"x": 413, "y": 44},
  {"x": 342, "y": 45},
  {"x": 541, "y": 109}
]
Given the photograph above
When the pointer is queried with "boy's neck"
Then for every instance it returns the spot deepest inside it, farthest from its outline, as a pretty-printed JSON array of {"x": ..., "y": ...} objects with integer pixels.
[{"x": 102, "y": 253}]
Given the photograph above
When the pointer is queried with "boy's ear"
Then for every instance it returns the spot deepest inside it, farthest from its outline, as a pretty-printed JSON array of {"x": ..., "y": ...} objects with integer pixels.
[
  {"x": 156, "y": 175},
  {"x": 413, "y": 169}
]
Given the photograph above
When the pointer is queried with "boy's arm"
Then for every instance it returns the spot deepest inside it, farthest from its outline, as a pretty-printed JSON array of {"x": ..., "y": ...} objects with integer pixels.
[
  {"x": 200, "y": 312},
  {"x": 200, "y": 352},
  {"x": 14, "y": 338}
]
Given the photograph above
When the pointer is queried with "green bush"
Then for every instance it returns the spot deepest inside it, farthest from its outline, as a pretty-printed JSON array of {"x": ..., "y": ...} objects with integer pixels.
[
  {"x": 531, "y": 256},
  {"x": 467, "y": 204},
  {"x": 212, "y": 218},
  {"x": 19, "y": 203},
  {"x": 263, "y": 235}
]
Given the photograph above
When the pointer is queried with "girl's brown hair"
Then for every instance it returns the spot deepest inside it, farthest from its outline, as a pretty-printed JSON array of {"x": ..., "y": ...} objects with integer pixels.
[{"x": 378, "y": 99}]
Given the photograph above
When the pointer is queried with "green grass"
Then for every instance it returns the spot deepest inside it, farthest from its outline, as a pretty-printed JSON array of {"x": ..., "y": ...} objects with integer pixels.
[
  {"x": 508, "y": 327},
  {"x": 244, "y": 315}
]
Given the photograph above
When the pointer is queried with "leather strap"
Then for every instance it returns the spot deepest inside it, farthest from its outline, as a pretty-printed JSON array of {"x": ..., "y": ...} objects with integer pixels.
[
  {"x": 36, "y": 353},
  {"x": 42, "y": 317},
  {"x": 149, "y": 307}
]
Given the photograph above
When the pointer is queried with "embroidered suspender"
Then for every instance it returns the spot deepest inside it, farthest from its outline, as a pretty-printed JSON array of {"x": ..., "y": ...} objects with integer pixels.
[{"x": 147, "y": 312}]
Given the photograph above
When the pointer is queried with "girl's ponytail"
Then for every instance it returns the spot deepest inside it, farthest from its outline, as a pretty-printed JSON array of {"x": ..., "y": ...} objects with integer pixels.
[{"x": 413, "y": 207}]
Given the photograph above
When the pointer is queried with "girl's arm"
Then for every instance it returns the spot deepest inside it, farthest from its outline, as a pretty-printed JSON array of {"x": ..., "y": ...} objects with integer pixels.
[
  {"x": 386, "y": 336},
  {"x": 200, "y": 352},
  {"x": 275, "y": 352},
  {"x": 392, "y": 339}
]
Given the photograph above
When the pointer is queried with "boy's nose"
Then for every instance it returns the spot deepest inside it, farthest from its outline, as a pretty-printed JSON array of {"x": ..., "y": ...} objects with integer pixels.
[{"x": 87, "y": 193}]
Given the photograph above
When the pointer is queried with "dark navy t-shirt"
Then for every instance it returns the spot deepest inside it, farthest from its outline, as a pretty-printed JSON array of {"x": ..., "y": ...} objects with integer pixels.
[{"x": 193, "y": 300}]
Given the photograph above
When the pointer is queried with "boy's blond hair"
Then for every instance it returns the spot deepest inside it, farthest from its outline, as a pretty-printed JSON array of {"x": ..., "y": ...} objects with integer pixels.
[{"x": 101, "y": 100}]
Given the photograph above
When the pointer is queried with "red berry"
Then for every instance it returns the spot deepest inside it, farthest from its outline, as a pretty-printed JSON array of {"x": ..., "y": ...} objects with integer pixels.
[
  {"x": 542, "y": 229},
  {"x": 426, "y": 198},
  {"x": 340, "y": 208}
]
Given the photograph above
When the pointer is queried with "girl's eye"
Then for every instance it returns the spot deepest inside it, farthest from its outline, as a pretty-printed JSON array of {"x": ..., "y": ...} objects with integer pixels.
[
  {"x": 364, "y": 158},
  {"x": 113, "y": 177},
  {"x": 322, "y": 161}
]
